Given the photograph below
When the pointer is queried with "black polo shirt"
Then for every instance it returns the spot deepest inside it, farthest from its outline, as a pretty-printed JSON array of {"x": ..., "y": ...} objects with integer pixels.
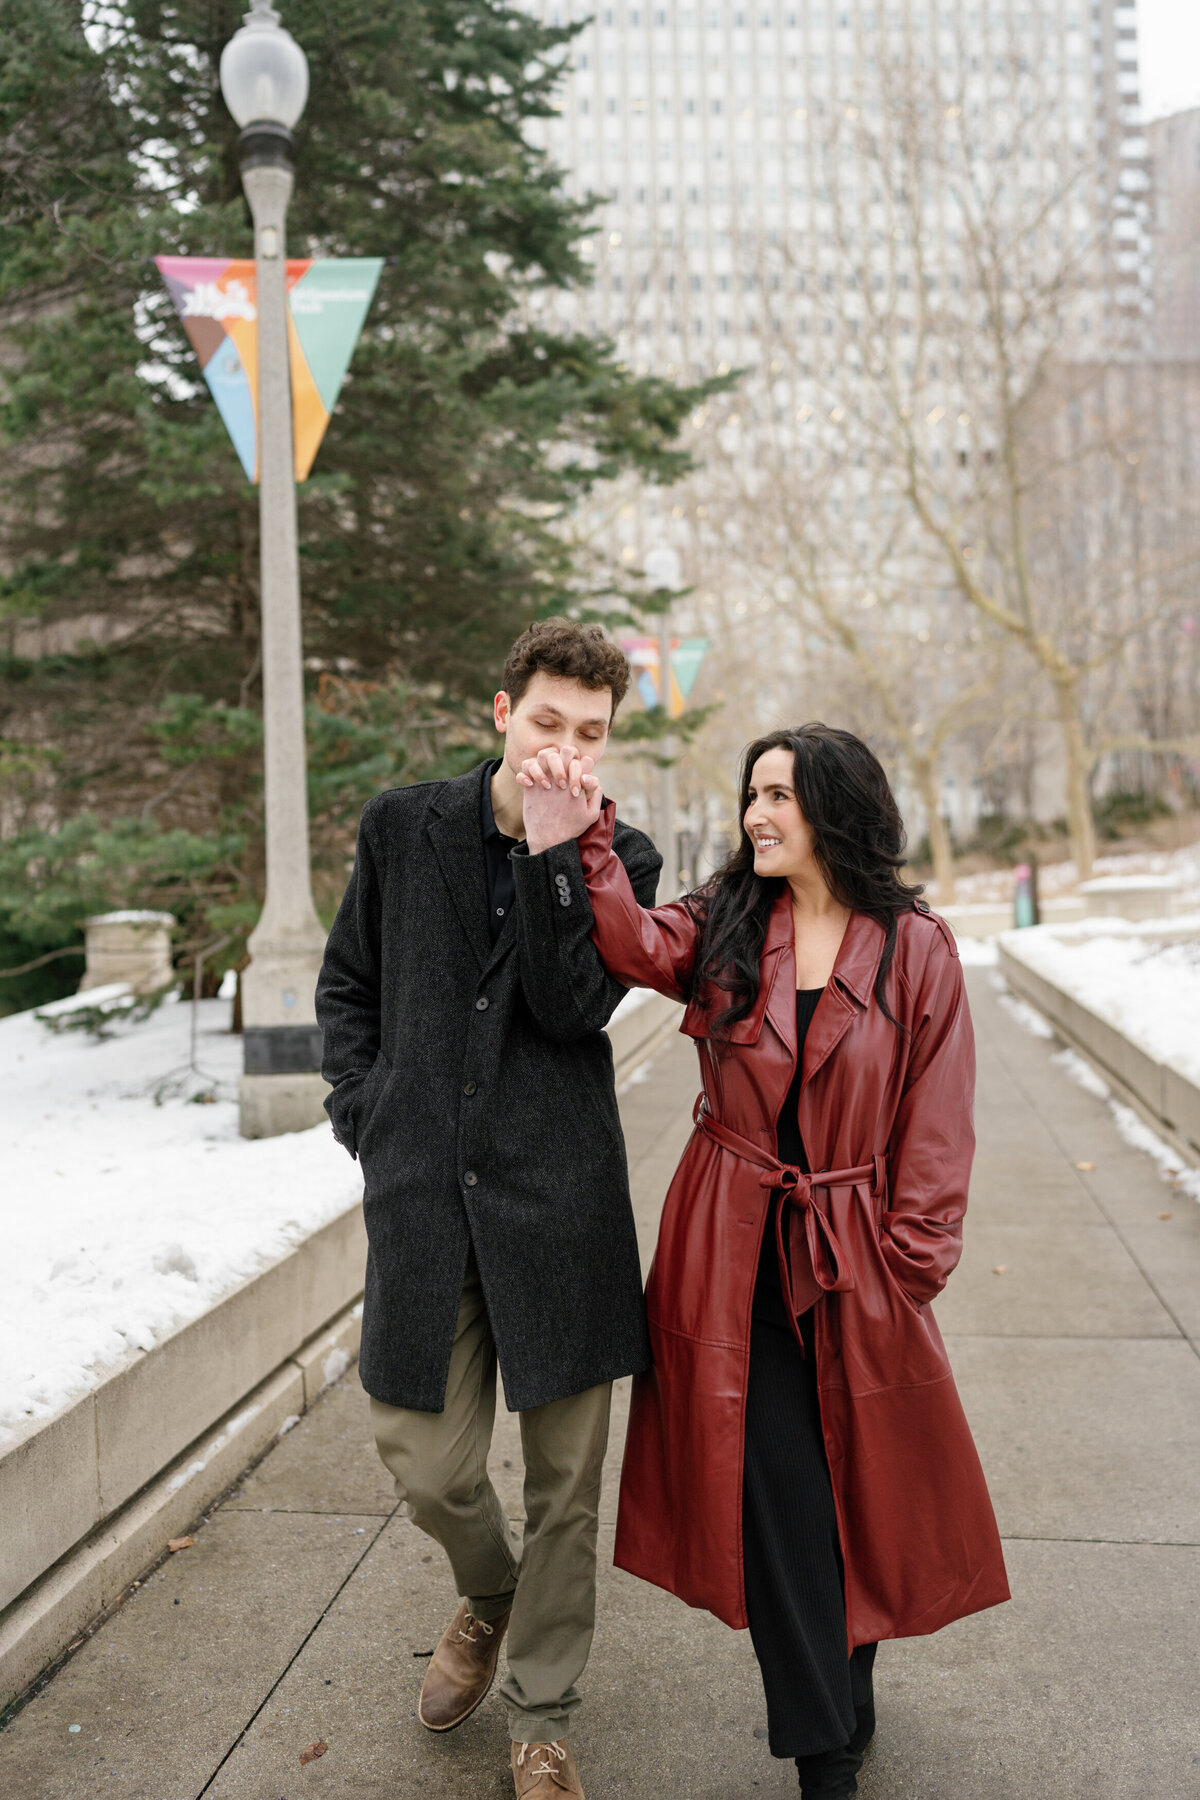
[{"x": 501, "y": 888}]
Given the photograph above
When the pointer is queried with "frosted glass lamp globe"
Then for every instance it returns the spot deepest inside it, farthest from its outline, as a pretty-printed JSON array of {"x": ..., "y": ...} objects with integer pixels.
[
  {"x": 264, "y": 72},
  {"x": 662, "y": 566}
]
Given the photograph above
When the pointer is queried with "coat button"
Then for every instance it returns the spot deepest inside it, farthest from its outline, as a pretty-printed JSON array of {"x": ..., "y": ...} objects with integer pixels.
[
  {"x": 470, "y": 1178},
  {"x": 564, "y": 899},
  {"x": 560, "y": 881},
  {"x": 468, "y": 1087},
  {"x": 481, "y": 1004}
]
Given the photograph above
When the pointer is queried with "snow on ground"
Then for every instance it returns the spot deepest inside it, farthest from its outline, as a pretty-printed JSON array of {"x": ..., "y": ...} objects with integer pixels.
[
  {"x": 1177, "y": 1175},
  {"x": 1057, "y": 879},
  {"x": 1149, "y": 991},
  {"x": 1027, "y": 1017},
  {"x": 130, "y": 1203},
  {"x": 977, "y": 952}
]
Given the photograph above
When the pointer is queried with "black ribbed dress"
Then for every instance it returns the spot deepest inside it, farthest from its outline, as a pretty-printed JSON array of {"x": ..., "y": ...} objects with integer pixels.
[{"x": 819, "y": 1701}]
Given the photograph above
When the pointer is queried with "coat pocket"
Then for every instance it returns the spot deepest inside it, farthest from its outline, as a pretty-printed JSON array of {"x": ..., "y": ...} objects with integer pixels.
[{"x": 366, "y": 1101}]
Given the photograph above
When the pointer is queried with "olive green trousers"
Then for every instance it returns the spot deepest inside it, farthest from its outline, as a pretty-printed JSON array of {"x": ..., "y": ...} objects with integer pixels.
[{"x": 547, "y": 1574}]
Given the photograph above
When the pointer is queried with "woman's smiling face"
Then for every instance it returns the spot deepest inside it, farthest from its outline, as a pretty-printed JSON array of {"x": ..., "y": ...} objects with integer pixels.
[{"x": 782, "y": 837}]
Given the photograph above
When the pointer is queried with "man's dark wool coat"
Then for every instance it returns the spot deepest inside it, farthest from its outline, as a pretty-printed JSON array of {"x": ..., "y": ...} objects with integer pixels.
[{"x": 475, "y": 1086}]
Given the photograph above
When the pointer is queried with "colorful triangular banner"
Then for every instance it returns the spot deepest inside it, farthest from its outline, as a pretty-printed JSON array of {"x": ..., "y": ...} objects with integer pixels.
[
  {"x": 215, "y": 298},
  {"x": 687, "y": 654}
]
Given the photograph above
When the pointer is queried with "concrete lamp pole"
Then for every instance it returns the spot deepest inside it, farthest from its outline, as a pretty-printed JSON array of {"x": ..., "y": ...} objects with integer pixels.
[
  {"x": 663, "y": 570},
  {"x": 264, "y": 79}
]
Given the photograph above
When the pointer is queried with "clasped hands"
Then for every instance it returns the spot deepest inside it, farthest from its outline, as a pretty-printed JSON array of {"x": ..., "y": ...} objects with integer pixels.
[{"x": 562, "y": 797}]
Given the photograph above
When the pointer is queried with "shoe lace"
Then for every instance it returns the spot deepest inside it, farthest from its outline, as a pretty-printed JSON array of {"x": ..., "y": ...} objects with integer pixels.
[
  {"x": 466, "y": 1631},
  {"x": 545, "y": 1767}
]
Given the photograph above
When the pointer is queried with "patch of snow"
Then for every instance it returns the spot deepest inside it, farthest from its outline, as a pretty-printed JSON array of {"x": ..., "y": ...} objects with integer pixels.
[
  {"x": 1148, "y": 991},
  {"x": 291, "y": 1420},
  {"x": 1140, "y": 1137},
  {"x": 128, "y": 917},
  {"x": 1137, "y": 1134},
  {"x": 977, "y": 952},
  {"x": 131, "y": 1202},
  {"x": 1082, "y": 1073},
  {"x": 228, "y": 987},
  {"x": 219, "y": 1442},
  {"x": 334, "y": 1367},
  {"x": 1055, "y": 879},
  {"x": 104, "y": 997},
  {"x": 1027, "y": 1017},
  {"x": 1140, "y": 884}
]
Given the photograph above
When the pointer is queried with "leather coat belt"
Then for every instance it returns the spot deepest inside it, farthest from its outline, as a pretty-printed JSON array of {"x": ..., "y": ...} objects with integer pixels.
[{"x": 831, "y": 1265}]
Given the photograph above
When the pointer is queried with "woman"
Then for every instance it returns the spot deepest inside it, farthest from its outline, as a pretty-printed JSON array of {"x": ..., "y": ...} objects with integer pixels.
[{"x": 798, "y": 1459}]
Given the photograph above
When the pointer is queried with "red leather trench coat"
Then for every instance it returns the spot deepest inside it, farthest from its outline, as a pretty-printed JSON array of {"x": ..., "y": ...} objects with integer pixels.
[{"x": 890, "y": 1114}]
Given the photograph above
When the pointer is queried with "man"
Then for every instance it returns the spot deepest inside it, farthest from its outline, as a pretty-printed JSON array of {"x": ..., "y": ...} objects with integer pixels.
[{"x": 463, "y": 1004}]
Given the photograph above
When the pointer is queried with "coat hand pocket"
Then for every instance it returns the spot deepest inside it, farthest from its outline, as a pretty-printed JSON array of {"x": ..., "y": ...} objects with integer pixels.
[{"x": 362, "y": 1106}]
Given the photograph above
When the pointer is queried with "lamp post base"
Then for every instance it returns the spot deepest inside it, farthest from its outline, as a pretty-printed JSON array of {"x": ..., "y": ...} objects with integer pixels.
[{"x": 270, "y": 1105}]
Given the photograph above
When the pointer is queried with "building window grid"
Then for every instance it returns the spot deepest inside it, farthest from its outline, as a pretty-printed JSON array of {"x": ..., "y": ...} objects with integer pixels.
[{"x": 787, "y": 204}]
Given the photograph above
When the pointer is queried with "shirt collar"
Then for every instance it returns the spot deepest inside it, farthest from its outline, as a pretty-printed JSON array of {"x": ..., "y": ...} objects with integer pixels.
[{"x": 487, "y": 817}]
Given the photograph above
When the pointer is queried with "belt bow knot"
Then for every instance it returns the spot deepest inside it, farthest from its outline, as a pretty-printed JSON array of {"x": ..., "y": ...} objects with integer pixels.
[
  {"x": 796, "y": 1183},
  {"x": 831, "y": 1263}
]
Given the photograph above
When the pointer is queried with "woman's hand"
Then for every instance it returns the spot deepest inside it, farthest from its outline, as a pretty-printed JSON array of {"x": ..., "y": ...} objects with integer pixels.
[{"x": 562, "y": 797}]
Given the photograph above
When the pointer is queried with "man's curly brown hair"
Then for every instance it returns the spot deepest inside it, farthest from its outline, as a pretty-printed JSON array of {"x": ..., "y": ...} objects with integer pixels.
[{"x": 563, "y": 647}]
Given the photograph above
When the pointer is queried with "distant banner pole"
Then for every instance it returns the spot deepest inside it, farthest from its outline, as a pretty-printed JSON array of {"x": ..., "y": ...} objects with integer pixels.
[{"x": 216, "y": 300}]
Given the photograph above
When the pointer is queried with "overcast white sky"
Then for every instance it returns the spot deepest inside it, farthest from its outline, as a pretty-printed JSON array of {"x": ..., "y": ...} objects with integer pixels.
[{"x": 1169, "y": 49}]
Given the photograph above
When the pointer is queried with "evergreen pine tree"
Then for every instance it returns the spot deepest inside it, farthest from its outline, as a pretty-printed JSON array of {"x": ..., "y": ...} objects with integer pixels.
[{"x": 465, "y": 434}]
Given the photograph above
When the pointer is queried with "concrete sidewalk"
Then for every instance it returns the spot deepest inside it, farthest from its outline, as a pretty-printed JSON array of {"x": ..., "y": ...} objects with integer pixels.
[{"x": 302, "y": 1611}]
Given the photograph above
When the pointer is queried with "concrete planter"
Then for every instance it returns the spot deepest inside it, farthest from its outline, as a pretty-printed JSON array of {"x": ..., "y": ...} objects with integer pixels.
[
  {"x": 89, "y": 1497},
  {"x": 128, "y": 946}
]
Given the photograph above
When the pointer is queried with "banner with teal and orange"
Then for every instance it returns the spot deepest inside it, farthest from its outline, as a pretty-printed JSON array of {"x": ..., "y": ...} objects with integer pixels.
[
  {"x": 645, "y": 659},
  {"x": 327, "y": 303}
]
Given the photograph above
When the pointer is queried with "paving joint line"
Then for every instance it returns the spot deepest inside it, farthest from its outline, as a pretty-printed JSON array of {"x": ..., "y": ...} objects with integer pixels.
[
  {"x": 1063, "y": 1337},
  {"x": 301, "y": 1647},
  {"x": 308, "y": 1512},
  {"x": 1021, "y": 1537}
]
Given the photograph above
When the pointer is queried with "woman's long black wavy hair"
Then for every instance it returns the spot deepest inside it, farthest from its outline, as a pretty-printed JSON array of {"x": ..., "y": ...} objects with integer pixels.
[{"x": 859, "y": 844}]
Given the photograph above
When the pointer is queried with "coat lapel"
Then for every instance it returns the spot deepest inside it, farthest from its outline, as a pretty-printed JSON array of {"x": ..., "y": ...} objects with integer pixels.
[
  {"x": 778, "y": 973},
  {"x": 456, "y": 834},
  {"x": 847, "y": 992}
]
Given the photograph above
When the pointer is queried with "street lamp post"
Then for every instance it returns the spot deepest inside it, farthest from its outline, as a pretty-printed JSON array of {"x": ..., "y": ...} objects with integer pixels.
[
  {"x": 264, "y": 79},
  {"x": 663, "y": 569}
]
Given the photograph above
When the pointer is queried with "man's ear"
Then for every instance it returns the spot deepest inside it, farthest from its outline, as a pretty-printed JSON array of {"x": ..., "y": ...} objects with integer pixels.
[{"x": 501, "y": 710}]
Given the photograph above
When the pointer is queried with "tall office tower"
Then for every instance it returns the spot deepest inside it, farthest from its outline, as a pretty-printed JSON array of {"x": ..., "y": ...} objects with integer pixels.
[
  {"x": 1175, "y": 158},
  {"x": 741, "y": 152},
  {"x": 921, "y": 230}
]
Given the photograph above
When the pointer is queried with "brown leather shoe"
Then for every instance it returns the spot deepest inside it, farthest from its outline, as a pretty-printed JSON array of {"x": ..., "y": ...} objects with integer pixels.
[
  {"x": 461, "y": 1671},
  {"x": 545, "y": 1772}
]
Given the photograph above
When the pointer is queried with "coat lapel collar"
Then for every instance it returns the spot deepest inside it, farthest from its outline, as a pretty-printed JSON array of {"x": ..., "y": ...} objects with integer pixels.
[
  {"x": 847, "y": 993},
  {"x": 778, "y": 972},
  {"x": 456, "y": 834}
]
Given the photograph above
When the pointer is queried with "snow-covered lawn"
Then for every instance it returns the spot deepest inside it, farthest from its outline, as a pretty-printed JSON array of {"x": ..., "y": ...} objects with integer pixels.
[
  {"x": 1149, "y": 991},
  {"x": 130, "y": 1205}
]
